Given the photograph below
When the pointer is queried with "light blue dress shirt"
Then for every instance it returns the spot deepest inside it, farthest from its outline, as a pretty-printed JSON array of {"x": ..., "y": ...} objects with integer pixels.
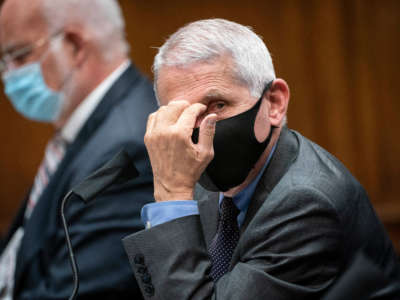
[{"x": 154, "y": 214}]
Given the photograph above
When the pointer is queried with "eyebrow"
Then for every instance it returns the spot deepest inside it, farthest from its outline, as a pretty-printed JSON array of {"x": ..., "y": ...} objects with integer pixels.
[{"x": 213, "y": 95}]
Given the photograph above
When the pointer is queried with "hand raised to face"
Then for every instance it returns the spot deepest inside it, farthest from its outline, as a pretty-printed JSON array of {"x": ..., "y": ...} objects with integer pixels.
[{"x": 176, "y": 161}]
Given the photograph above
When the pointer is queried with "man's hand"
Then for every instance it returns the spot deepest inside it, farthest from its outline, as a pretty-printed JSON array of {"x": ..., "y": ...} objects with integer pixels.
[{"x": 176, "y": 161}]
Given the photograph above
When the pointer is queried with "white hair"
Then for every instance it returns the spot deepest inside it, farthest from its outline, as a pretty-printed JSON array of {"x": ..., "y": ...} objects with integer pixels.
[
  {"x": 103, "y": 19},
  {"x": 206, "y": 40}
]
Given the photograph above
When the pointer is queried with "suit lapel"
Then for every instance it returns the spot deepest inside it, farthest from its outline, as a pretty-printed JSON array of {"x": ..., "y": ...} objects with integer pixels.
[
  {"x": 43, "y": 222},
  {"x": 209, "y": 213},
  {"x": 285, "y": 154}
]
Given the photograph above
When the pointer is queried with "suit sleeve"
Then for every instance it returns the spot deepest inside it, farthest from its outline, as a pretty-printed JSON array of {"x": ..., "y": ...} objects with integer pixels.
[{"x": 290, "y": 250}]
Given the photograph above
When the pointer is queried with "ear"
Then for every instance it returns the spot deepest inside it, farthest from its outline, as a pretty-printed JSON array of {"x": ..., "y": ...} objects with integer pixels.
[
  {"x": 278, "y": 97},
  {"x": 76, "y": 44}
]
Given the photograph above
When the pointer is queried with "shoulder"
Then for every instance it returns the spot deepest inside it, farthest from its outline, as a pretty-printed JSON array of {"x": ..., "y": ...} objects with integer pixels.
[
  {"x": 122, "y": 127},
  {"x": 129, "y": 113},
  {"x": 319, "y": 173},
  {"x": 316, "y": 183}
]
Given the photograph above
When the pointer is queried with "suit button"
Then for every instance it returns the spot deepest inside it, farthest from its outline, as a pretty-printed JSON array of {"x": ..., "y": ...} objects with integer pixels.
[
  {"x": 149, "y": 290},
  {"x": 142, "y": 270},
  {"x": 139, "y": 259},
  {"x": 146, "y": 278}
]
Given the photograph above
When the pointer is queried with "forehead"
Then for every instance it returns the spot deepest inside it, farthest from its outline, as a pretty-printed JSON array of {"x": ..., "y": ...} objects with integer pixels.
[
  {"x": 20, "y": 23},
  {"x": 197, "y": 82}
]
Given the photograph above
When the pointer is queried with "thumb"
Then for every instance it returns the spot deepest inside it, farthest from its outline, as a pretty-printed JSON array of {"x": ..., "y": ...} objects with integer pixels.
[{"x": 207, "y": 131}]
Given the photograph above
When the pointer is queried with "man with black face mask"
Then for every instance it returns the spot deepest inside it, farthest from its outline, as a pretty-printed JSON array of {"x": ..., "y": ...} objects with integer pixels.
[{"x": 274, "y": 216}]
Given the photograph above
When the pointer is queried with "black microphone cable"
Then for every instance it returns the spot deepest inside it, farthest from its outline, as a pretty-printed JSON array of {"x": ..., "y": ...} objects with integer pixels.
[
  {"x": 118, "y": 170},
  {"x": 72, "y": 259}
]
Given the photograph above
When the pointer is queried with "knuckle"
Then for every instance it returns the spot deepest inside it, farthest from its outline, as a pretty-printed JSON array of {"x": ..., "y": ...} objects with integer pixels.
[
  {"x": 199, "y": 106},
  {"x": 151, "y": 137},
  {"x": 210, "y": 155},
  {"x": 147, "y": 138},
  {"x": 196, "y": 108},
  {"x": 172, "y": 131},
  {"x": 206, "y": 155},
  {"x": 177, "y": 132},
  {"x": 180, "y": 103},
  {"x": 162, "y": 108},
  {"x": 150, "y": 119}
]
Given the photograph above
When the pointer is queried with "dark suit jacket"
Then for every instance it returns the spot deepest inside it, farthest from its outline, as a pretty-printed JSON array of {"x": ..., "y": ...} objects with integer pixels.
[
  {"x": 43, "y": 270},
  {"x": 361, "y": 279},
  {"x": 307, "y": 218}
]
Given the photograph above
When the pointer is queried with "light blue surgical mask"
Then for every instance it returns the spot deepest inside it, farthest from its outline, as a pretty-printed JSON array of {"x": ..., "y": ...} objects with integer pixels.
[{"x": 30, "y": 95}]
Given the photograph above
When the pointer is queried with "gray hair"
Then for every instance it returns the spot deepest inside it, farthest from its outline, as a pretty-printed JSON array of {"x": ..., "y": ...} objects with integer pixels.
[
  {"x": 102, "y": 18},
  {"x": 205, "y": 40}
]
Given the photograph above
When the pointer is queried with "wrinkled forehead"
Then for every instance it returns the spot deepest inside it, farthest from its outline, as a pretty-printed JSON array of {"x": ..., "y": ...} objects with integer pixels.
[
  {"x": 20, "y": 23},
  {"x": 199, "y": 78},
  {"x": 200, "y": 83}
]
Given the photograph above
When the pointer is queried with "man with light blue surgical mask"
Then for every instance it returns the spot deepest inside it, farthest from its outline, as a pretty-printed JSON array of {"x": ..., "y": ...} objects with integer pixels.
[
  {"x": 25, "y": 85},
  {"x": 66, "y": 62}
]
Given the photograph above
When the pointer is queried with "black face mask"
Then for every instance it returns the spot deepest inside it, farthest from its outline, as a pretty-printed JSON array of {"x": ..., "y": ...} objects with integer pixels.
[{"x": 236, "y": 150}]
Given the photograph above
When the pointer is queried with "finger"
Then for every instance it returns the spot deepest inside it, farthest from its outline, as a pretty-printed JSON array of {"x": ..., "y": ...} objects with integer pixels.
[
  {"x": 188, "y": 118},
  {"x": 169, "y": 114},
  {"x": 207, "y": 131},
  {"x": 150, "y": 122}
]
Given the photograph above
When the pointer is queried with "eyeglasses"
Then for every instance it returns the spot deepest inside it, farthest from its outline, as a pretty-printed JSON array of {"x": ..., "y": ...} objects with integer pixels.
[{"x": 19, "y": 56}]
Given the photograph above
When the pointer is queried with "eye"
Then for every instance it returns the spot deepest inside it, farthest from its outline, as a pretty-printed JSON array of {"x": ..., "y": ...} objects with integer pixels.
[
  {"x": 220, "y": 105},
  {"x": 20, "y": 59},
  {"x": 20, "y": 56},
  {"x": 216, "y": 106}
]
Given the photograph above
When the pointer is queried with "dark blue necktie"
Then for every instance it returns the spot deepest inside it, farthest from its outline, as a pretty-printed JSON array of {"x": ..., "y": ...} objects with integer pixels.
[{"x": 226, "y": 239}]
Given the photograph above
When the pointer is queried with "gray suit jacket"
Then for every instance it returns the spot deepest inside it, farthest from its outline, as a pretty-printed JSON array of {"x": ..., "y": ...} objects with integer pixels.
[{"x": 307, "y": 219}]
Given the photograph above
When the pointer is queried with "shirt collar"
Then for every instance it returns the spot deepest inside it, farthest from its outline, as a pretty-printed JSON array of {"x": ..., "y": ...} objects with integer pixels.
[{"x": 82, "y": 113}]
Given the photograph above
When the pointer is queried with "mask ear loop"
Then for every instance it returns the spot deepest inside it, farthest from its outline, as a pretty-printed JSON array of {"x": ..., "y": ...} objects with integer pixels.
[
  {"x": 273, "y": 127},
  {"x": 258, "y": 103},
  {"x": 267, "y": 87}
]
